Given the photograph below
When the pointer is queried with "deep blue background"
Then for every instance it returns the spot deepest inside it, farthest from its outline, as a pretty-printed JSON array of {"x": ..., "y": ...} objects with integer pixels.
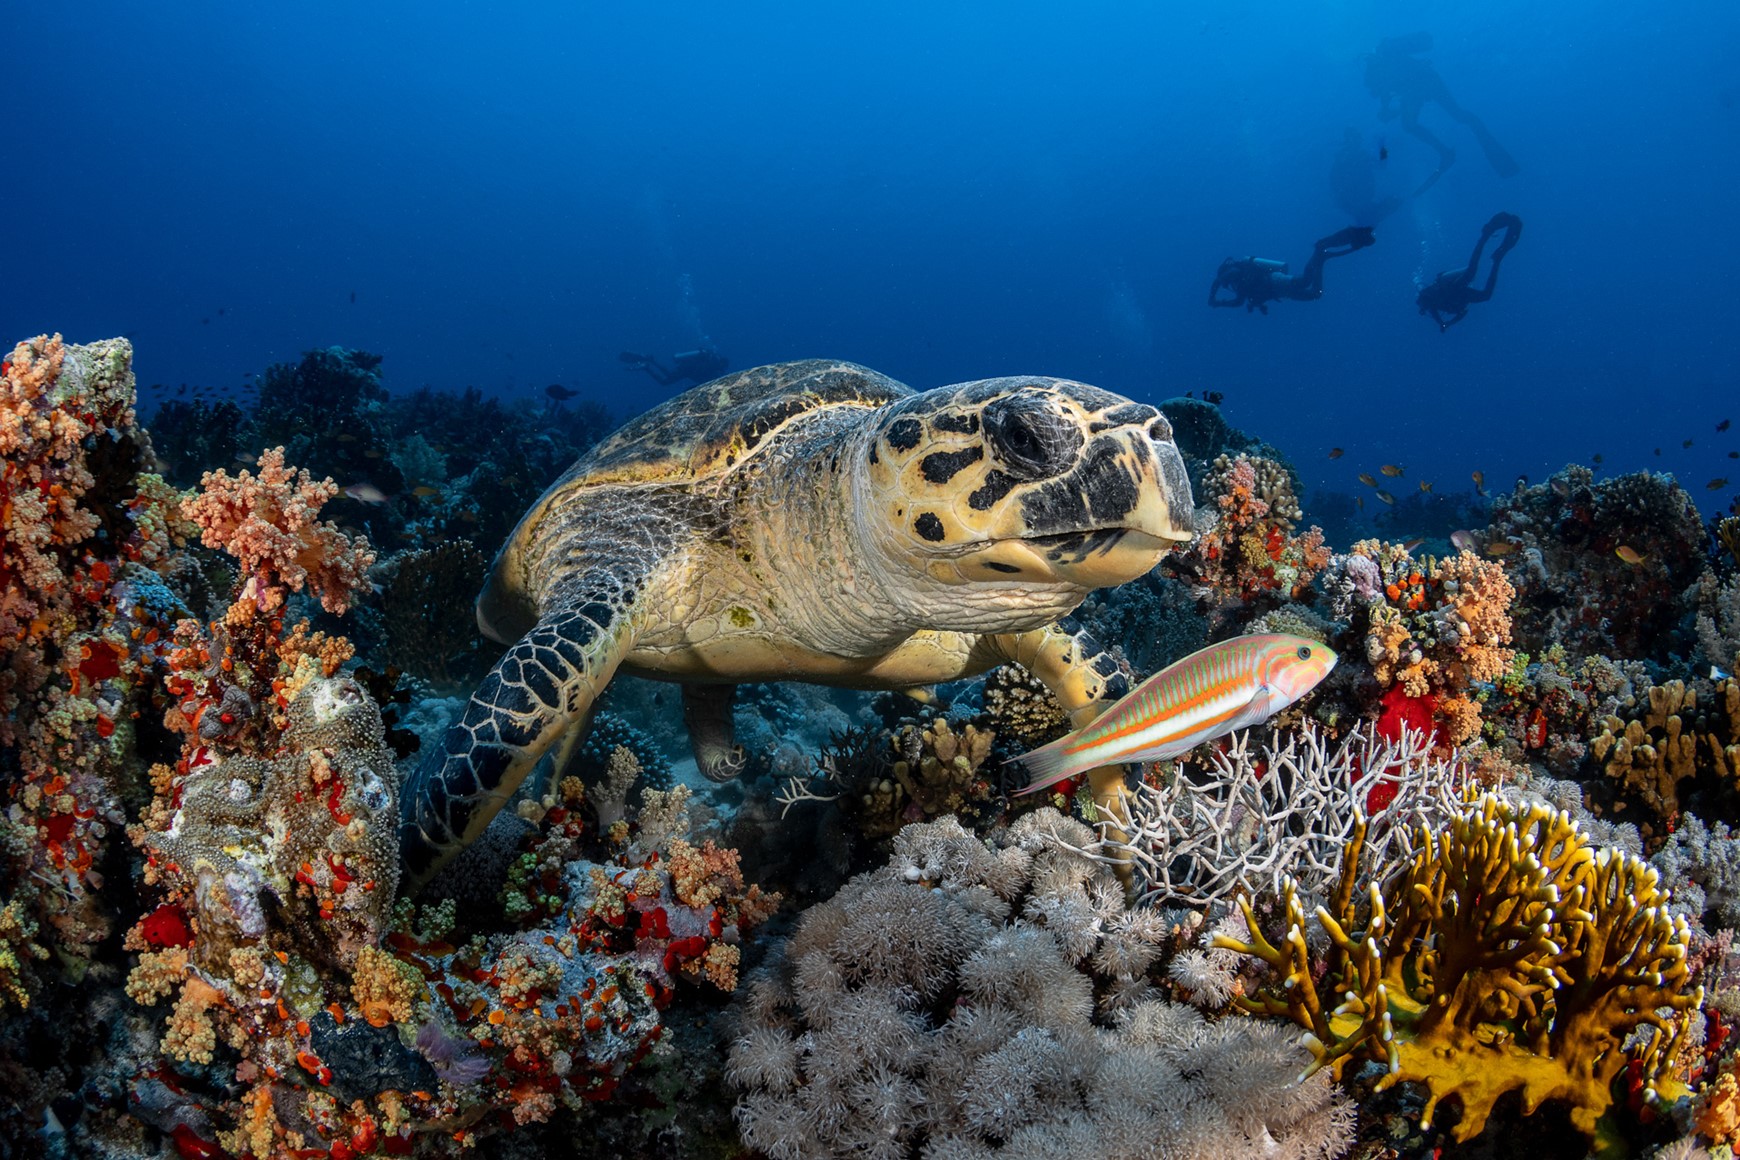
[{"x": 942, "y": 191}]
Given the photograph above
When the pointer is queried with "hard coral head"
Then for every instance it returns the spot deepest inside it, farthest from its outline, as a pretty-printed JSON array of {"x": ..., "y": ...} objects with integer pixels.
[{"x": 1030, "y": 480}]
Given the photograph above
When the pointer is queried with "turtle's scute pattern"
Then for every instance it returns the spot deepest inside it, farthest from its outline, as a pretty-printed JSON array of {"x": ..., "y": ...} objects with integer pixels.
[{"x": 811, "y": 521}]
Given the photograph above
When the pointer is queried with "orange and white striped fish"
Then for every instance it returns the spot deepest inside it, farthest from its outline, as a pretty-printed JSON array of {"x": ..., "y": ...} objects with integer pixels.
[{"x": 1231, "y": 685}]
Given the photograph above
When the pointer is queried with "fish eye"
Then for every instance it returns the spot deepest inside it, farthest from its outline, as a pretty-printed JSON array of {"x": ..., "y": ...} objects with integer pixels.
[{"x": 1304, "y": 652}]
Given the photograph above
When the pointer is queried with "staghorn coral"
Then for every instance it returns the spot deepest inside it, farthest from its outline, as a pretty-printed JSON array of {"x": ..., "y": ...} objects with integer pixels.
[
  {"x": 1509, "y": 955},
  {"x": 1247, "y": 823},
  {"x": 1671, "y": 741},
  {"x": 909, "y": 1016}
]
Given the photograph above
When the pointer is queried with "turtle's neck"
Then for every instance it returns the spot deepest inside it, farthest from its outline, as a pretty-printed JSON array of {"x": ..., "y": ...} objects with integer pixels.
[{"x": 801, "y": 517}]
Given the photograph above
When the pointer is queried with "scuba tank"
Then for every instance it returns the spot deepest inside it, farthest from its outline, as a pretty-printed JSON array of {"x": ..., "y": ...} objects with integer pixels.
[{"x": 1269, "y": 265}]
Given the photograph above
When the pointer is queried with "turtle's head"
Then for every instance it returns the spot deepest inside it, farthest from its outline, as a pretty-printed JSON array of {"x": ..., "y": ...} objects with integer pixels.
[{"x": 1028, "y": 480}]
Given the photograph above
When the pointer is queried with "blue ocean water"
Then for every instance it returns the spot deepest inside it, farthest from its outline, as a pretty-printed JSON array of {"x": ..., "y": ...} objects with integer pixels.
[{"x": 509, "y": 195}]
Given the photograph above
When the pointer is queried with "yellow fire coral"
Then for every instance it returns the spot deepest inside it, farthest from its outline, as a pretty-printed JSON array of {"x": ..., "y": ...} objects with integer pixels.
[{"x": 1509, "y": 955}]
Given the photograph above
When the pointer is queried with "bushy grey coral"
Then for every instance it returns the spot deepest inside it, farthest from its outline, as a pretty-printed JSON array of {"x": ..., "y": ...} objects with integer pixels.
[
  {"x": 1701, "y": 865},
  {"x": 943, "y": 1006}
]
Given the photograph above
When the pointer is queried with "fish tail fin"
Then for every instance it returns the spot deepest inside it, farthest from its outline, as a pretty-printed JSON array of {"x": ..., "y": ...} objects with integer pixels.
[{"x": 1049, "y": 764}]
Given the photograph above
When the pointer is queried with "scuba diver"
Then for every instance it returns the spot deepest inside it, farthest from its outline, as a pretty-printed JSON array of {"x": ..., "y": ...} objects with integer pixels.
[
  {"x": 692, "y": 366},
  {"x": 1403, "y": 82},
  {"x": 1447, "y": 299},
  {"x": 1353, "y": 178},
  {"x": 1255, "y": 282}
]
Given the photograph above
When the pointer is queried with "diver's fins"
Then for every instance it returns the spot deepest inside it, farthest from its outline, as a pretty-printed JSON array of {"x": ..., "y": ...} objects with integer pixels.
[{"x": 1497, "y": 155}]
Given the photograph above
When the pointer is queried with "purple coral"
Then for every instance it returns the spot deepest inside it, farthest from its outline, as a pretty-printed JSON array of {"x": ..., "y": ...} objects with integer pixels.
[{"x": 450, "y": 1056}]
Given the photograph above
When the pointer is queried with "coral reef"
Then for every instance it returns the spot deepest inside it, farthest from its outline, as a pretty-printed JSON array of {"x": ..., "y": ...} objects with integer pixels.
[
  {"x": 79, "y": 628},
  {"x": 1432, "y": 630},
  {"x": 1575, "y": 587},
  {"x": 1245, "y": 557},
  {"x": 1250, "y": 823},
  {"x": 1509, "y": 955},
  {"x": 310, "y": 834},
  {"x": 916, "y": 1013},
  {"x": 195, "y": 437},
  {"x": 420, "y": 591},
  {"x": 1664, "y": 740},
  {"x": 883, "y": 781}
]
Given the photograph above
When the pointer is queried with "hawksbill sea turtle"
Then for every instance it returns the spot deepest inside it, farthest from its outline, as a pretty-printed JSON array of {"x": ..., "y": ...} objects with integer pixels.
[{"x": 812, "y": 521}]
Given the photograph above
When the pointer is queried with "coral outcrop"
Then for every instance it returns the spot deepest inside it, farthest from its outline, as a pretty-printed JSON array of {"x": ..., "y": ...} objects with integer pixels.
[
  {"x": 1664, "y": 739},
  {"x": 1432, "y": 629},
  {"x": 1509, "y": 955},
  {"x": 1600, "y": 566}
]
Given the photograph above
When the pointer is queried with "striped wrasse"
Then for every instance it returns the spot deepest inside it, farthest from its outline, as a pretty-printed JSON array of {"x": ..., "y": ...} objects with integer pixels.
[{"x": 1231, "y": 685}]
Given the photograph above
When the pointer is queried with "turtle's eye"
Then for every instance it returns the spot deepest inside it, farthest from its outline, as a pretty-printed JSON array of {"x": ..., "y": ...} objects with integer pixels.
[
  {"x": 1304, "y": 652},
  {"x": 1031, "y": 440}
]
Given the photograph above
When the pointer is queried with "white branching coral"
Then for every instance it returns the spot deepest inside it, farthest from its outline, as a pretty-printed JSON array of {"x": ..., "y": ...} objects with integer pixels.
[{"x": 1247, "y": 821}]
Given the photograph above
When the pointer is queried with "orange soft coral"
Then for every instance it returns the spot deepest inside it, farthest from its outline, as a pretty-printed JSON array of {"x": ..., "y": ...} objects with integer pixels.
[
  {"x": 271, "y": 524},
  {"x": 1441, "y": 627}
]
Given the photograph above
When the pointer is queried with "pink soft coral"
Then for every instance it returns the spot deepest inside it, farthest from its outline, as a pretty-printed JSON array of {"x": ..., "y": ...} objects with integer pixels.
[{"x": 271, "y": 524}]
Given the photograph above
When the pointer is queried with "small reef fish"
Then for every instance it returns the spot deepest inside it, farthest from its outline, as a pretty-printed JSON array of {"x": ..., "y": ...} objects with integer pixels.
[
  {"x": 1717, "y": 674},
  {"x": 1463, "y": 540},
  {"x": 558, "y": 392},
  {"x": 424, "y": 491},
  {"x": 1561, "y": 488},
  {"x": 1723, "y": 425},
  {"x": 1596, "y": 459},
  {"x": 1501, "y": 547},
  {"x": 1734, "y": 455},
  {"x": 1228, "y": 686},
  {"x": 1359, "y": 501},
  {"x": 1479, "y": 478},
  {"x": 1426, "y": 485},
  {"x": 365, "y": 492},
  {"x": 1630, "y": 554},
  {"x": 344, "y": 437},
  {"x": 1365, "y": 478},
  {"x": 1391, "y": 470},
  {"x": 1717, "y": 484},
  {"x": 1687, "y": 444},
  {"x": 1386, "y": 497},
  {"x": 1336, "y": 453},
  {"x": 1410, "y": 545}
]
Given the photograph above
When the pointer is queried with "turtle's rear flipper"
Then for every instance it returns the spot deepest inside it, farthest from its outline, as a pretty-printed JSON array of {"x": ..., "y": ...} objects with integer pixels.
[
  {"x": 712, "y": 734},
  {"x": 545, "y": 685}
]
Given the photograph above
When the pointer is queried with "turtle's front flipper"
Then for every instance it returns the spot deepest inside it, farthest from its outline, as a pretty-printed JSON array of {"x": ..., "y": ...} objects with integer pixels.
[
  {"x": 712, "y": 733},
  {"x": 1084, "y": 678},
  {"x": 543, "y": 686}
]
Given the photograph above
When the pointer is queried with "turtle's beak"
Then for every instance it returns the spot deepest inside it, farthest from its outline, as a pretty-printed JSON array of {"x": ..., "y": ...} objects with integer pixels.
[{"x": 1105, "y": 523}]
